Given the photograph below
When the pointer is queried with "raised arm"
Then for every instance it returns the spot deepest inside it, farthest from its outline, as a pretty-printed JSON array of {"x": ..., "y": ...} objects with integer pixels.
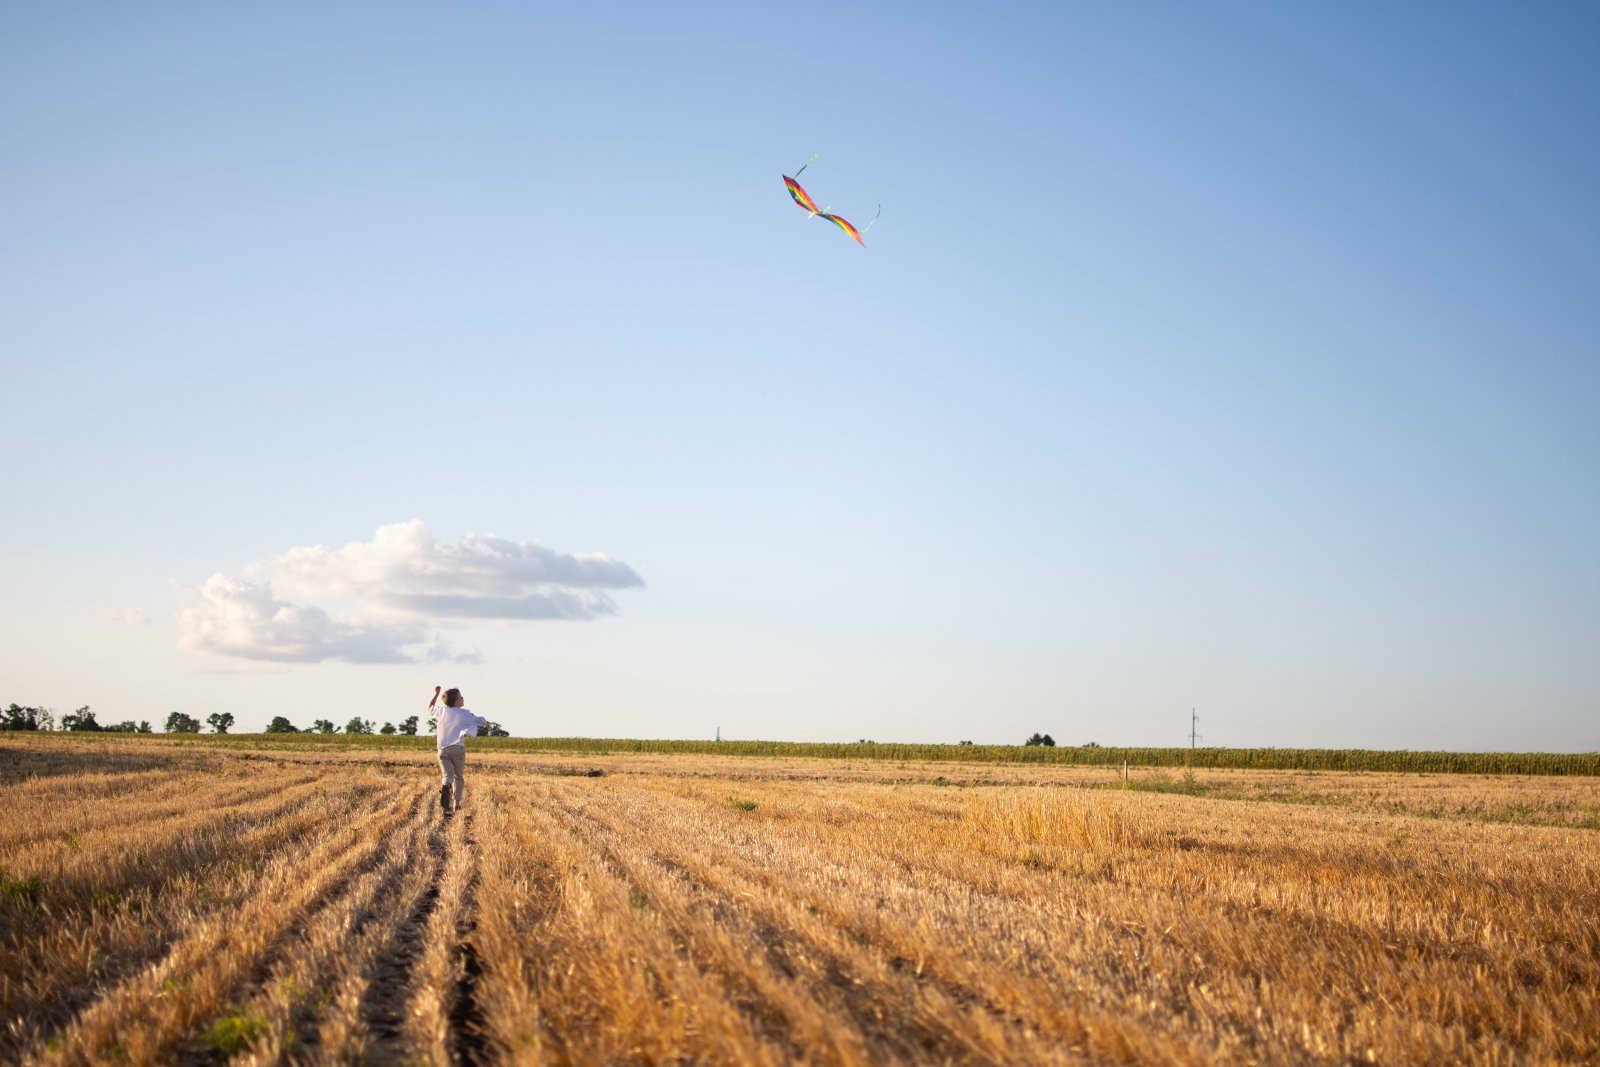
[{"x": 435, "y": 699}]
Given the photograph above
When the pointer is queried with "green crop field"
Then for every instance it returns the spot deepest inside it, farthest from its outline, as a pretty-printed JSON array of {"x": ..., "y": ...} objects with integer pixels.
[{"x": 1316, "y": 759}]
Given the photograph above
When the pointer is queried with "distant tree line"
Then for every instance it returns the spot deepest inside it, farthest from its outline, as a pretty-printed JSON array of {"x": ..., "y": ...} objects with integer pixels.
[
  {"x": 20, "y": 717},
  {"x": 406, "y": 727},
  {"x": 281, "y": 725},
  {"x": 179, "y": 723},
  {"x": 17, "y": 717}
]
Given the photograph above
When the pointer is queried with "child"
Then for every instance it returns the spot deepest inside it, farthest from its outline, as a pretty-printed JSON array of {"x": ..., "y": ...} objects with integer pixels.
[{"x": 455, "y": 723}]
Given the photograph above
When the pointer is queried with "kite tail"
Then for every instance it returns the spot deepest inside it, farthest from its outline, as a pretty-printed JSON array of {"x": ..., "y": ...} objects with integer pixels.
[
  {"x": 875, "y": 215},
  {"x": 803, "y": 167}
]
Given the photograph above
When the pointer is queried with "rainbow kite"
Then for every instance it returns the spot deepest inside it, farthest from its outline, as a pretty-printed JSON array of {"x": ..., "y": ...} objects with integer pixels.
[{"x": 798, "y": 194}]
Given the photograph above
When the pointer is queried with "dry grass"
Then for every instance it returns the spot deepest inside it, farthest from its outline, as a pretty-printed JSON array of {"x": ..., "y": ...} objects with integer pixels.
[{"x": 306, "y": 907}]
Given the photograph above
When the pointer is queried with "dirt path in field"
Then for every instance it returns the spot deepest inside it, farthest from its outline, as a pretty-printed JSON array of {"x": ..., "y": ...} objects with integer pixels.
[
  {"x": 467, "y": 1044},
  {"x": 387, "y": 1001}
]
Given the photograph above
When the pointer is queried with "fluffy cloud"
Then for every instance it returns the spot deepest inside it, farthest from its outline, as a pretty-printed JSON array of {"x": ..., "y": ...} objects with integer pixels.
[
  {"x": 389, "y": 589},
  {"x": 245, "y": 619},
  {"x": 403, "y": 563}
]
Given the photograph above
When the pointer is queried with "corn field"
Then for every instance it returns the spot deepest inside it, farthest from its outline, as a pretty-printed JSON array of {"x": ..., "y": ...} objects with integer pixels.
[{"x": 1586, "y": 764}]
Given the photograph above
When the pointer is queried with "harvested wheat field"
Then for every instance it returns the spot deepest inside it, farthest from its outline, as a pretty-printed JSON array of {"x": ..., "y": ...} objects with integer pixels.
[{"x": 166, "y": 903}]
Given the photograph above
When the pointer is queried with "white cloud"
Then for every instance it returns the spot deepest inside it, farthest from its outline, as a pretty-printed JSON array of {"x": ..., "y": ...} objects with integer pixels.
[
  {"x": 475, "y": 579},
  {"x": 241, "y": 618},
  {"x": 386, "y": 591}
]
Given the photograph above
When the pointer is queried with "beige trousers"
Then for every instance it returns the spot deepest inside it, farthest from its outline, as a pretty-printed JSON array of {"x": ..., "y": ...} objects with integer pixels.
[{"x": 453, "y": 766}]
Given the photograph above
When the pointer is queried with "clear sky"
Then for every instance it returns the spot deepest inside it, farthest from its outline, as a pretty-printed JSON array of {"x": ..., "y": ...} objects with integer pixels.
[{"x": 1244, "y": 358}]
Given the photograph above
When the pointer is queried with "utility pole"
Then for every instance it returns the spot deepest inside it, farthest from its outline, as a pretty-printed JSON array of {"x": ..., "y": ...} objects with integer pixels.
[
  {"x": 719, "y": 733},
  {"x": 1194, "y": 728}
]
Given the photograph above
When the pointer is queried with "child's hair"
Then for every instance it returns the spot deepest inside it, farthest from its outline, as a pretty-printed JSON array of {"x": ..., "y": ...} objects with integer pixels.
[{"x": 452, "y": 697}]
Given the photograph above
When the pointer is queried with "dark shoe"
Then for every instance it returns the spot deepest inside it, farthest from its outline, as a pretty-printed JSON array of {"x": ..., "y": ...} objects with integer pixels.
[{"x": 444, "y": 799}]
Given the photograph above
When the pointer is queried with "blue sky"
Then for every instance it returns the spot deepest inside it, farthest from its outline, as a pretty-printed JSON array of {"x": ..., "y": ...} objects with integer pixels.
[{"x": 1244, "y": 359}]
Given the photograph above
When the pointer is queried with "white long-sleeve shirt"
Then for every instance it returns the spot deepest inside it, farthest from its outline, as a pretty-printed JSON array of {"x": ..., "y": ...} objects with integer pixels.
[{"x": 455, "y": 724}]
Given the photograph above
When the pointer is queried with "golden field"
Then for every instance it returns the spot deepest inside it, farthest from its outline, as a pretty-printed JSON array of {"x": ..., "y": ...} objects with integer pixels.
[{"x": 166, "y": 902}]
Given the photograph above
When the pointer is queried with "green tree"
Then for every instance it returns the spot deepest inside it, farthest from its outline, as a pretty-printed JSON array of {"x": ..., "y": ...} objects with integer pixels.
[
  {"x": 281, "y": 725},
  {"x": 408, "y": 726},
  {"x": 323, "y": 726},
  {"x": 1041, "y": 739},
  {"x": 80, "y": 720},
  {"x": 144, "y": 727},
  {"x": 179, "y": 723},
  {"x": 433, "y": 724},
  {"x": 388, "y": 728},
  {"x": 220, "y": 721},
  {"x": 494, "y": 729},
  {"x": 17, "y": 717},
  {"x": 358, "y": 726}
]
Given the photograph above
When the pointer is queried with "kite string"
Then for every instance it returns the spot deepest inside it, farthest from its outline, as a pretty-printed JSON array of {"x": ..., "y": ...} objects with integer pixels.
[
  {"x": 869, "y": 225},
  {"x": 803, "y": 167}
]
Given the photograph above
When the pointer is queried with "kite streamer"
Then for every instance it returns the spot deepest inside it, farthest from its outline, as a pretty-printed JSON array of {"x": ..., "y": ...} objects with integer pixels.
[
  {"x": 845, "y": 226},
  {"x": 801, "y": 197}
]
